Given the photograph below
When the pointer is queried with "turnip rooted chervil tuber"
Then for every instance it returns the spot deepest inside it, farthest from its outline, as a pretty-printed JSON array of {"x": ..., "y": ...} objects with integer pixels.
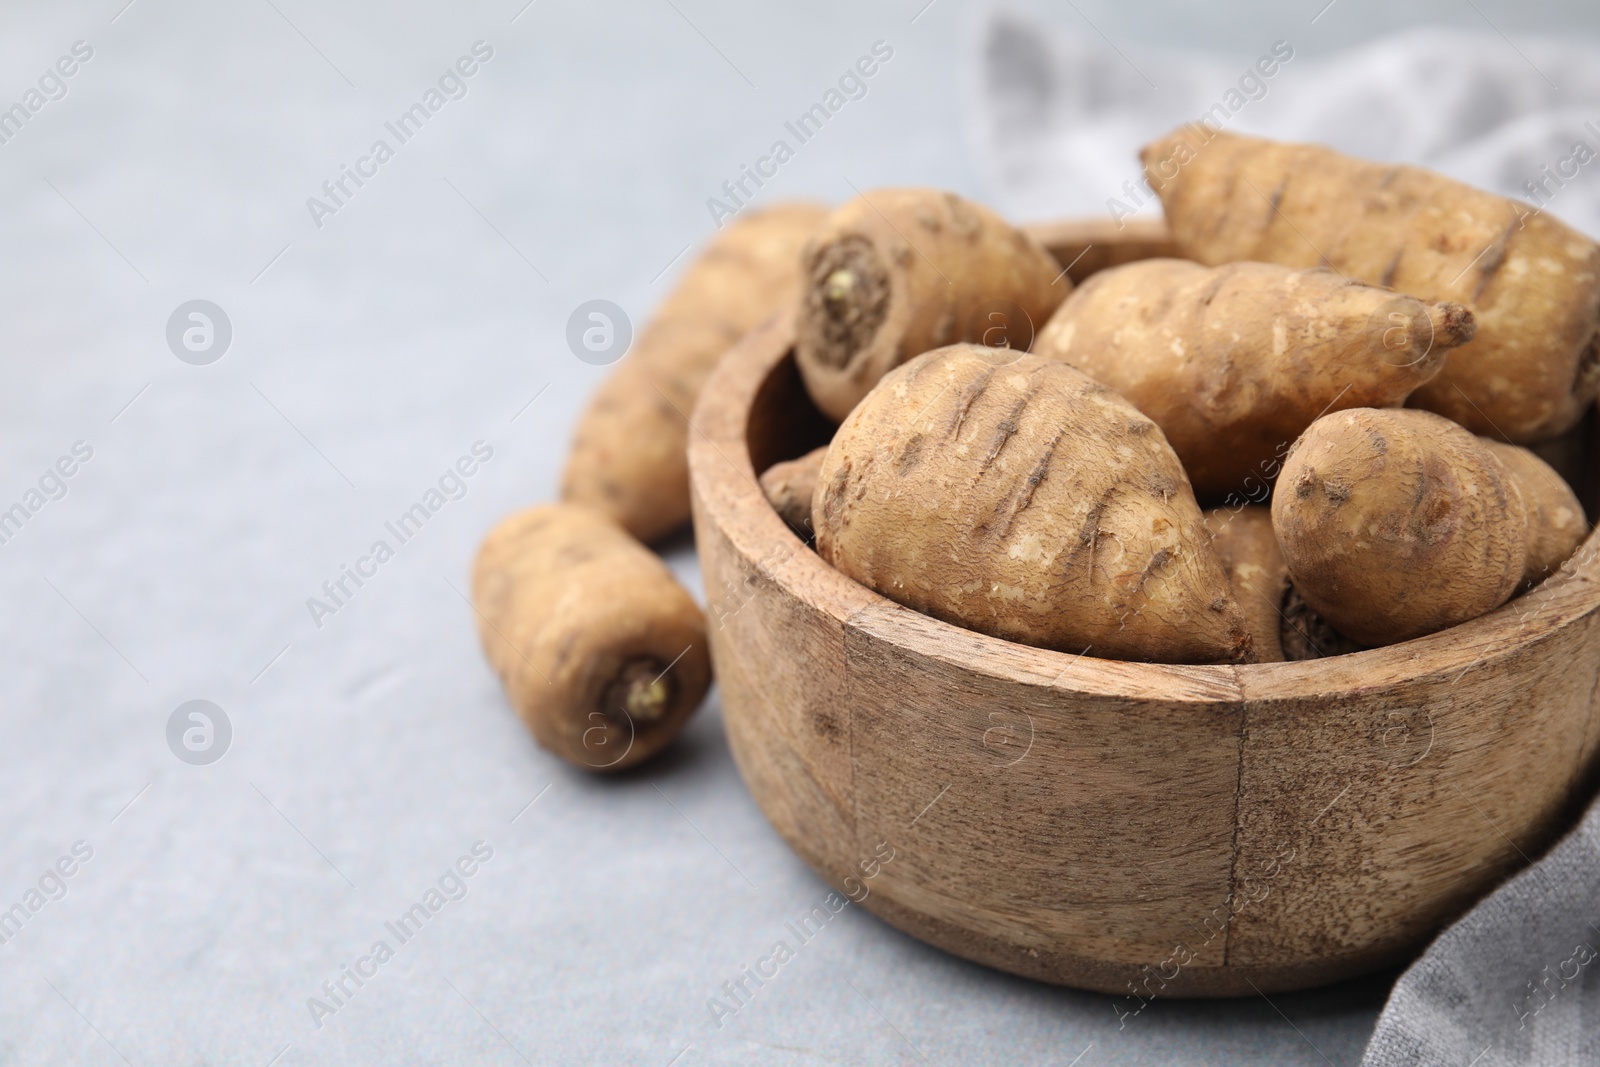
[
  {"x": 1556, "y": 524},
  {"x": 1532, "y": 282},
  {"x": 1013, "y": 495},
  {"x": 789, "y": 487},
  {"x": 1398, "y": 523},
  {"x": 1233, "y": 362},
  {"x": 1251, "y": 561},
  {"x": 602, "y": 653}
]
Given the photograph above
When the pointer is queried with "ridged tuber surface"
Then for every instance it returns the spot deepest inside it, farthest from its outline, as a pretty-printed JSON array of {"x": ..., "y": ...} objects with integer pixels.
[
  {"x": 1234, "y": 362},
  {"x": 1013, "y": 495},
  {"x": 895, "y": 273},
  {"x": 1248, "y": 551},
  {"x": 1398, "y": 523},
  {"x": 1532, "y": 282},
  {"x": 602, "y": 653},
  {"x": 1556, "y": 523},
  {"x": 629, "y": 455}
]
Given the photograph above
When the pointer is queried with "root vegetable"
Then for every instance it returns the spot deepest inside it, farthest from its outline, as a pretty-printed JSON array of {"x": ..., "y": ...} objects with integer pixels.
[
  {"x": 1398, "y": 523},
  {"x": 1234, "y": 362},
  {"x": 897, "y": 272},
  {"x": 628, "y": 457},
  {"x": 1248, "y": 551},
  {"x": 1014, "y": 495},
  {"x": 1532, "y": 282},
  {"x": 789, "y": 487},
  {"x": 602, "y": 653},
  {"x": 1556, "y": 523}
]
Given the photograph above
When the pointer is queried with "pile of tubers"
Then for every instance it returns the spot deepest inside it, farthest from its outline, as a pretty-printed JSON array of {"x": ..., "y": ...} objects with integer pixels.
[
  {"x": 1367, "y": 346},
  {"x": 1308, "y": 436}
]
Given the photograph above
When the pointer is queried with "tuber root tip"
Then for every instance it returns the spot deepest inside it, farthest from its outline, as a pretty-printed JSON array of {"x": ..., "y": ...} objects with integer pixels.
[
  {"x": 647, "y": 702},
  {"x": 1453, "y": 324},
  {"x": 839, "y": 286},
  {"x": 641, "y": 691}
]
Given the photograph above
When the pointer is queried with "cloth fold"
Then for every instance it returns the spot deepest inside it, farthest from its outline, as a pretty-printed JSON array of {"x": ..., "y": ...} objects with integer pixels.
[
  {"x": 1515, "y": 981},
  {"x": 1059, "y": 121},
  {"x": 1060, "y": 118}
]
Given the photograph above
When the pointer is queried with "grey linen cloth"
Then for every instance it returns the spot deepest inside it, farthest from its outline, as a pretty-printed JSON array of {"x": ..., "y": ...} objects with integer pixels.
[
  {"x": 1060, "y": 120},
  {"x": 1514, "y": 982}
]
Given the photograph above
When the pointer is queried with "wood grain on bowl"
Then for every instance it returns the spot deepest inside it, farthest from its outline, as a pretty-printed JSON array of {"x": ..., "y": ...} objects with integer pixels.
[{"x": 1138, "y": 829}]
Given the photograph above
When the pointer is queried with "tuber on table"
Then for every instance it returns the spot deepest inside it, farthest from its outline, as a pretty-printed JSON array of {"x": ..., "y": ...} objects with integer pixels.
[
  {"x": 602, "y": 653},
  {"x": 629, "y": 455},
  {"x": 897, "y": 272},
  {"x": 1532, "y": 282},
  {"x": 1398, "y": 523},
  {"x": 1234, "y": 362},
  {"x": 1014, "y": 495}
]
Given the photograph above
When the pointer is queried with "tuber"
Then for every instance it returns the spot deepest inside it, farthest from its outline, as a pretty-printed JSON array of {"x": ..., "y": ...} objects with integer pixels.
[
  {"x": 789, "y": 487},
  {"x": 1013, "y": 495},
  {"x": 1532, "y": 282},
  {"x": 1556, "y": 524},
  {"x": 629, "y": 455},
  {"x": 602, "y": 653},
  {"x": 1396, "y": 523},
  {"x": 1233, "y": 362},
  {"x": 897, "y": 272},
  {"x": 1245, "y": 546}
]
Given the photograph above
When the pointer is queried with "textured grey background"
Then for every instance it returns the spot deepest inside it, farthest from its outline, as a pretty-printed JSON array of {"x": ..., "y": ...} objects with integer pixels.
[{"x": 370, "y": 753}]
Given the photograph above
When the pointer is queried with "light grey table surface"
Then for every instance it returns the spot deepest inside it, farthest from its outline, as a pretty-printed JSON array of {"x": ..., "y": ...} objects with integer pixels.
[{"x": 367, "y": 354}]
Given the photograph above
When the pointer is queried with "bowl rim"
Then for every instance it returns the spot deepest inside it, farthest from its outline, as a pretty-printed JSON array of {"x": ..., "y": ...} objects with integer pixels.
[{"x": 726, "y": 486}]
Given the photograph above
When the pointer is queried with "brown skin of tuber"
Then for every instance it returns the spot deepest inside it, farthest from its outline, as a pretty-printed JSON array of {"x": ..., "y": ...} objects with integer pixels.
[
  {"x": 602, "y": 653},
  {"x": 897, "y": 272},
  {"x": 1012, "y": 495},
  {"x": 1398, "y": 523},
  {"x": 629, "y": 455},
  {"x": 1532, "y": 282},
  {"x": 1556, "y": 523},
  {"x": 1234, "y": 362},
  {"x": 789, "y": 487},
  {"x": 1248, "y": 551}
]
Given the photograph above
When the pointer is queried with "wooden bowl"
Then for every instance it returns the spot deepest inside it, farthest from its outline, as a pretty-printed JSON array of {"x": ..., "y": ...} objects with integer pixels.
[{"x": 1132, "y": 828}]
